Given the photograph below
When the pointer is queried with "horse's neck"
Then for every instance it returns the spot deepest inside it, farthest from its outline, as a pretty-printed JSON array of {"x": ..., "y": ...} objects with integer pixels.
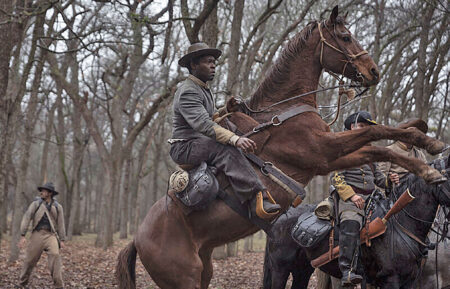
[
  {"x": 287, "y": 78},
  {"x": 423, "y": 208}
]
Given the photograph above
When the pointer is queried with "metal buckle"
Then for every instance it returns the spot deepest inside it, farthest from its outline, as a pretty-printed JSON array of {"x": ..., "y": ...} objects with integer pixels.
[
  {"x": 255, "y": 130},
  {"x": 274, "y": 123},
  {"x": 263, "y": 170}
]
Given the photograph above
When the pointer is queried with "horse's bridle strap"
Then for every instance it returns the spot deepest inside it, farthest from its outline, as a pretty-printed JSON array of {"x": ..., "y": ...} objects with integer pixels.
[
  {"x": 411, "y": 235},
  {"x": 279, "y": 119}
]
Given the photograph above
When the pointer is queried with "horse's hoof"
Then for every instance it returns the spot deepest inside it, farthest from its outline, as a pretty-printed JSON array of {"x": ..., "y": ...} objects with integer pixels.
[
  {"x": 433, "y": 176},
  {"x": 436, "y": 147},
  {"x": 438, "y": 180}
]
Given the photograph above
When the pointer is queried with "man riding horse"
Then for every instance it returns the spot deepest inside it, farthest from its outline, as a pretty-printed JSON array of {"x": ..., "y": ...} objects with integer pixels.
[
  {"x": 353, "y": 187},
  {"x": 197, "y": 138}
]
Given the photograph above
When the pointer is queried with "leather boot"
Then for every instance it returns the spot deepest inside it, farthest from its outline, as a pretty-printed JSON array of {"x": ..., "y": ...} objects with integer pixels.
[
  {"x": 348, "y": 253},
  {"x": 264, "y": 206}
]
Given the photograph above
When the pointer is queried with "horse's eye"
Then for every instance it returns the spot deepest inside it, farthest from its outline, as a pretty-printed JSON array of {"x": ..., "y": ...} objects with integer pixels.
[{"x": 346, "y": 39}]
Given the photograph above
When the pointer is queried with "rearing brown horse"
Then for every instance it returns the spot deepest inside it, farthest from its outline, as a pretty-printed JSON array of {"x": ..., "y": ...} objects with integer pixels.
[{"x": 176, "y": 249}]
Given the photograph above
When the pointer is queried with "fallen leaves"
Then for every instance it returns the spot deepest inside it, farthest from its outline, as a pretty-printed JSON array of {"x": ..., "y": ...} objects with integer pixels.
[{"x": 86, "y": 266}]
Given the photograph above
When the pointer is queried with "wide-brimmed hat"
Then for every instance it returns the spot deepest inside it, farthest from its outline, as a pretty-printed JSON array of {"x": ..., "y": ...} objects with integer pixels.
[
  {"x": 359, "y": 116},
  {"x": 414, "y": 122},
  {"x": 49, "y": 187},
  {"x": 196, "y": 50}
]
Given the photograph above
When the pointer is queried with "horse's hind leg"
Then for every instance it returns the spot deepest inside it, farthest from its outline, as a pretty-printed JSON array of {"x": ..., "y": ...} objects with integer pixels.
[
  {"x": 370, "y": 154},
  {"x": 205, "y": 256}
]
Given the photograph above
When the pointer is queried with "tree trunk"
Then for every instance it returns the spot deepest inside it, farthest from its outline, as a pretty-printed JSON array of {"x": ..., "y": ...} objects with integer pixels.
[
  {"x": 248, "y": 244},
  {"x": 232, "y": 249},
  {"x": 220, "y": 252},
  {"x": 99, "y": 187},
  {"x": 48, "y": 135},
  {"x": 124, "y": 199},
  {"x": 421, "y": 99},
  {"x": 29, "y": 125},
  {"x": 210, "y": 31},
  {"x": 60, "y": 134},
  {"x": 10, "y": 35},
  {"x": 79, "y": 144},
  {"x": 233, "y": 58}
]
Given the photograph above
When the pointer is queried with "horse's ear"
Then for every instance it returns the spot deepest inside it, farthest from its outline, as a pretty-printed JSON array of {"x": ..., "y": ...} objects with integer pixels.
[
  {"x": 334, "y": 14},
  {"x": 345, "y": 16}
]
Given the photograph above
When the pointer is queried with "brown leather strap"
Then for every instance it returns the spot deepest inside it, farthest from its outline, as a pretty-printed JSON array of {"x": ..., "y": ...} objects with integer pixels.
[
  {"x": 297, "y": 201},
  {"x": 268, "y": 168},
  {"x": 331, "y": 241},
  {"x": 367, "y": 237},
  {"x": 411, "y": 235},
  {"x": 279, "y": 119}
]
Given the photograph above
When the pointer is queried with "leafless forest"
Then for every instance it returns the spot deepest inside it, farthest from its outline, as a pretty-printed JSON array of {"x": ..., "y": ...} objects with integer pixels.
[{"x": 86, "y": 89}]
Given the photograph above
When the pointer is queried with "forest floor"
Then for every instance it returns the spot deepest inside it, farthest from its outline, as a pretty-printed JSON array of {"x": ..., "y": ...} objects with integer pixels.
[{"x": 86, "y": 266}]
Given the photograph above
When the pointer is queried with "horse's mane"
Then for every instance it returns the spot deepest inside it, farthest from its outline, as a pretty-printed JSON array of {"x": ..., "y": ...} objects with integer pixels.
[{"x": 280, "y": 69}]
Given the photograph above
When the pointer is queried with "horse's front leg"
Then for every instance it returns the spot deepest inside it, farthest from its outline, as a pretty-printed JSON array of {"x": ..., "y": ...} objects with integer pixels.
[
  {"x": 279, "y": 278},
  {"x": 370, "y": 154},
  {"x": 346, "y": 142},
  {"x": 390, "y": 282},
  {"x": 207, "y": 273}
]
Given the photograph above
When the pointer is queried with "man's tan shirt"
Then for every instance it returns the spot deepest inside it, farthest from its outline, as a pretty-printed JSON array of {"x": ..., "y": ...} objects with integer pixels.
[{"x": 56, "y": 214}]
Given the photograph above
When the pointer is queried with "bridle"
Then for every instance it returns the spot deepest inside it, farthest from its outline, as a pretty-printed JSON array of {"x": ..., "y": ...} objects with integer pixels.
[{"x": 350, "y": 56}]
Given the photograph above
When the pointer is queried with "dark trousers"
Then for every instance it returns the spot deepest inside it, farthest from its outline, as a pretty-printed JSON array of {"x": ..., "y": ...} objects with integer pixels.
[{"x": 226, "y": 158}]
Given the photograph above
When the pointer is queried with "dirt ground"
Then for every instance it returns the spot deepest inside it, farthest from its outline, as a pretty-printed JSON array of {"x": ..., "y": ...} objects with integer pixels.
[{"x": 88, "y": 267}]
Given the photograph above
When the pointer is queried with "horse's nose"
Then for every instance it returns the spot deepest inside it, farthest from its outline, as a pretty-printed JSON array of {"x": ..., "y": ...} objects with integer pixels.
[{"x": 375, "y": 72}]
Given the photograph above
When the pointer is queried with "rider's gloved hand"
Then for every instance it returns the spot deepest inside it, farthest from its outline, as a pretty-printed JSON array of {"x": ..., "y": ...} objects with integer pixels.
[{"x": 246, "y": 144}]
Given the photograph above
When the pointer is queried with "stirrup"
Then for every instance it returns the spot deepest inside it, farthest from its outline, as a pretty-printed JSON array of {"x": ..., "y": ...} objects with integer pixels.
[{"x": 260, "y": 212}]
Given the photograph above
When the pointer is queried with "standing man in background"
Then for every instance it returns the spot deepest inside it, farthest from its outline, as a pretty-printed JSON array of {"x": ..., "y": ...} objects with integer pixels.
[{"x": 48, "y": 232}]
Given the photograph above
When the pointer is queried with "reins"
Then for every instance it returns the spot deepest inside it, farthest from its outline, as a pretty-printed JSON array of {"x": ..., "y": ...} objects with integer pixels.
[{"x": 297, "y": 96}]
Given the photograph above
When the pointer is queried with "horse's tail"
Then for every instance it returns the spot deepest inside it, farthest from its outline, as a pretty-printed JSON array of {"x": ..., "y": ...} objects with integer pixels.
[
  {"x": 267, "y": 278},
  {"x": 126, "y": 267}
]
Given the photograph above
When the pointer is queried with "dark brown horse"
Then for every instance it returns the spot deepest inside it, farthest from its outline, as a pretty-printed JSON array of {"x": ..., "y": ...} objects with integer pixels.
[
  {"x": 176, "y": 249},
  {"x": 392, "y": 261}
]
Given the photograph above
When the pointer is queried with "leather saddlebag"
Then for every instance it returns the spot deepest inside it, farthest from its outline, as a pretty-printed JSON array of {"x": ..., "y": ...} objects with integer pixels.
[
  {"x": 310, "y": 230},
  {"x": 202, "y": 188}
]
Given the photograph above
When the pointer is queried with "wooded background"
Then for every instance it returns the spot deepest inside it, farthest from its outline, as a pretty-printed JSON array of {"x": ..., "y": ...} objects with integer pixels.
[{"x": 86, "y": 89}]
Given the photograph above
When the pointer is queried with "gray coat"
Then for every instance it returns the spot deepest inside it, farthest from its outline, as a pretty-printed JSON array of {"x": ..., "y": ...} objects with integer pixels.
[
  {"x": 193, "y": 110},
  {"x": 362, "y": 177}
]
